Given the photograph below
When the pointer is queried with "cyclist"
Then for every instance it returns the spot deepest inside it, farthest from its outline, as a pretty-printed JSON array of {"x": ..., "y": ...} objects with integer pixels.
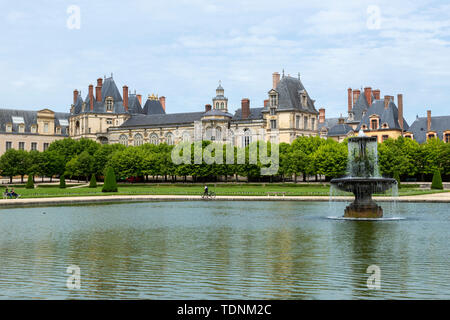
[{"x": 206, "y": 191}]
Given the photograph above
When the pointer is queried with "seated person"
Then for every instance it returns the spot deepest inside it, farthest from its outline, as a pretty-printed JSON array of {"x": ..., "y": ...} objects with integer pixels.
[{"x": 13, "y": 194}]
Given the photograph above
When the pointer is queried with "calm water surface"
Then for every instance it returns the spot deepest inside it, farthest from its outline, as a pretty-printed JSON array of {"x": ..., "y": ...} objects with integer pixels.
[{"x": 220, "y": 250}]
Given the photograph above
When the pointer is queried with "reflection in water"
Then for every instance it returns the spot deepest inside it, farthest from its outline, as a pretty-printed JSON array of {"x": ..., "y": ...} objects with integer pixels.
[{"x": 217, "y": 250}]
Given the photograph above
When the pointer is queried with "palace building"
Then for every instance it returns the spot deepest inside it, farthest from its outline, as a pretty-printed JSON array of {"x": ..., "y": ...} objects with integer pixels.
[
  {"x": 109, "y": 117},
  {"x": 31, "y": 130},
  {"x": 377, "y": 117}
]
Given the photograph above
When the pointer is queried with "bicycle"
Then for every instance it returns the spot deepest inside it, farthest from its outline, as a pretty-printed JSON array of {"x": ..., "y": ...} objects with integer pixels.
[{"x": 209, "y": 196}]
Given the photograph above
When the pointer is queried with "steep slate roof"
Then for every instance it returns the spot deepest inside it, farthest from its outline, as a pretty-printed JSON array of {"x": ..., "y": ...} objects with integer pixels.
[
  {"x": 361, "y": 105},
  {"x": 339, "y": 130},
  {"x": 109, "y": 89},
  {"x": 389, "y": 116},
  {"x": 328, "y": 123},
  {"x": 134, "y": 107},
  {"x": 162, "y": 119},
  {"x": 153, "y": 107},
  {"x": 289, "y": 90},
  {"x": 438, "y": 125},
  {"x": 255, "y": 114},
  {"x": 30, "y": 118}
]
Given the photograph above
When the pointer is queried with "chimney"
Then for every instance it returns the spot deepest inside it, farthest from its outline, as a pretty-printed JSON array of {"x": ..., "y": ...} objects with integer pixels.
[
  {"x": 356, "y": 94},
  {"x": 368, "y": 94},
  {"x": 162, "y": 99},
  {"x": 428, "y": 120},
  {"x": 207, "y": 107},
  {"x": 400, "y": 110},
  {"x": 245, "y": 106},
  {"x": 275, "y": 79},
  {"x": 266, "y": 102},
  {"x": 350, "y": 101},
  {"x": 377, "y": 94},
  {"x": 91, "y": 97},
  {"x": 75, "y": 96},
  {"x": 321, "y": 115},
  {"x": 387, "y": 99},
  {"x": 98, "y": 90},
  {"x": 125, "y": 98},
  {"x": 139, "y": 96}
]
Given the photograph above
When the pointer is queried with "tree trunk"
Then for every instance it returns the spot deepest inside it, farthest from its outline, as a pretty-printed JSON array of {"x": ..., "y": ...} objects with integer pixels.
[
  {"x": 10, "y": 179},
  {"x": 21, "y": 179},
  {"x": 295, "y": 178}
]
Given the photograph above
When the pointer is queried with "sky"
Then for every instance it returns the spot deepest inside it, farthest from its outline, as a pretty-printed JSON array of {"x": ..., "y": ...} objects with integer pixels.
[{"x": 182, "y": 48}]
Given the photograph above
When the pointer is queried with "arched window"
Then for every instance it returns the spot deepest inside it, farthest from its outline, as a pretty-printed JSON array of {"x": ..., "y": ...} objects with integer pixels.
[
  {"x": 222, "y": 106},
  {"x": 217, "y": 105},
  {"x": 230, "y": 138},
  {"x": 186, "y": 137},
  {"x": 169, "y": 138},
  {"x": 218, "y": 133},
  {"x": 123, "y": 139},
  {"x": 154, "y": 139},
  {"x": 247, "y": 138},
  {"x": 138, "y": 139}
]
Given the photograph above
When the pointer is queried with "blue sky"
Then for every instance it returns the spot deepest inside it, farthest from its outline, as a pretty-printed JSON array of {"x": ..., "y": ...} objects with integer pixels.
[{"x": 181, "y": 49}]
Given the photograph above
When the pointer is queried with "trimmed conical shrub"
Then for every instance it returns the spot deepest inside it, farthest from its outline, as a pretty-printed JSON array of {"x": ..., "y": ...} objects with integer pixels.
[
  {"x": 30, "y": 183},
  {"x": 62, "y": 182},
  {"x": 397, "y": 177},
  {"x": 110, "y": 184},
  {"x": 93, "y": 182},
  {"x": 437, "y": 181}
]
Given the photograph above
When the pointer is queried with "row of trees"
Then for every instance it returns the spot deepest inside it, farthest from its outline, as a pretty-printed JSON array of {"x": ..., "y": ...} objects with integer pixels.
[{"x": 306, "y": 156}]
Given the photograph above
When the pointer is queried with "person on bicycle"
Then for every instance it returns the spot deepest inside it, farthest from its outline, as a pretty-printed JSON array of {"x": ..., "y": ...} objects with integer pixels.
[{"x": 206, "y": 191}]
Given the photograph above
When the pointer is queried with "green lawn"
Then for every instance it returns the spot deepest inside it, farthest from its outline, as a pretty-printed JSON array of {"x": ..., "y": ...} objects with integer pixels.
[{"x": 180, "y": 189}]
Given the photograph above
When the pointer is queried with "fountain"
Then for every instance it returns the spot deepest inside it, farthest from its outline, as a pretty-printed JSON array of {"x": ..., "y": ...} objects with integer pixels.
[{"x": 364, "y": 178}]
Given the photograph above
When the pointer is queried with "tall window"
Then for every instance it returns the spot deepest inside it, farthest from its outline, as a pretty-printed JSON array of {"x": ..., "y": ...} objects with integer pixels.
[
  {"x": 21, "y": 128},
  {"x": 222, "y": 106},
  {"x": 123, "y": 139},
  {"x": 34, "y": 146},
  {"x": 9, "y": 127},
  {"x": 8, "y": 145},
  {"x": 45, "y": 146},
  {"x": 109, "y": 104},
  {"x": 186, "y": 137},
  {"x": 297, "y": 122},
  {"x": 21, "y": 145},
  {"x": 305, "y": 123},
  {"x": 169, "y": 138},
  {"x": 138, "y": 139},
  {"x": 374, "y": 124},
  {"x": 45, "y": 127},
  {"x": 273, "y": 124},
  {"x": 273, "y": 111},
  {"x": 218, "y": 133},
  {"x": 33, "y": 129},
  {"x": 247, "y": 137},
  {"x": 154, "y": 139},
  {"x": 447, "y": 138},
  {"x": 273, "y": 100},
  {"x": 313, "y": 123}
]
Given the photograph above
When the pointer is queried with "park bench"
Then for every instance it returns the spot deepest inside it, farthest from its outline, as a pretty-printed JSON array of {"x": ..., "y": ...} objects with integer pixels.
[{"x": 275, "y": 194}]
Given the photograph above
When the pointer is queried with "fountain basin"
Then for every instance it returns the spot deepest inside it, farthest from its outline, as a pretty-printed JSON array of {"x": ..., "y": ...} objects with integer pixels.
[{"x": 363, "y": 188}]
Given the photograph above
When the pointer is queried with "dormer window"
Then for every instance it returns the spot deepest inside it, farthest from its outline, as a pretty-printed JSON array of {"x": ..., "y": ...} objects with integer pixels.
[
  {"x": 303, "y": 98},
  {"x": 385, "y": 126},
  {"x": 21, "y": 128},
  {"x": 364, "y": 127},
  {"x": 8, "y": 127},
  {"x": 374, "y": 122},
  {"x": 109, "y": 104},
  {"x": 33, "y": 128},
  {"x": 273, "y": 111},
  {"x": 273, "y": 98},
  {"x": 58, "y": 130}
]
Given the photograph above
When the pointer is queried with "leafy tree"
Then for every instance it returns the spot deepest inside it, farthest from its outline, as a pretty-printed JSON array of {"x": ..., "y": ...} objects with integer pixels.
[
  {"x": 437, "y": 181},
  {"x": 110, "y": 184},
  {"x": 330, "y": 159},
  {"x": 9, "y": 163},
  {"x": 30, "y": 184}
]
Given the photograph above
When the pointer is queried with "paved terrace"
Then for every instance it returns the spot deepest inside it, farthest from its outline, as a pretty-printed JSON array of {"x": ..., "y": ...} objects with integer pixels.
[{"x": 436, "y": 197}]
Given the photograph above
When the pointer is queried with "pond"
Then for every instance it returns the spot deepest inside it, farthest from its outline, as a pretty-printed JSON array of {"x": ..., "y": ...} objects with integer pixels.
[{"x": 222, "y": 250}]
